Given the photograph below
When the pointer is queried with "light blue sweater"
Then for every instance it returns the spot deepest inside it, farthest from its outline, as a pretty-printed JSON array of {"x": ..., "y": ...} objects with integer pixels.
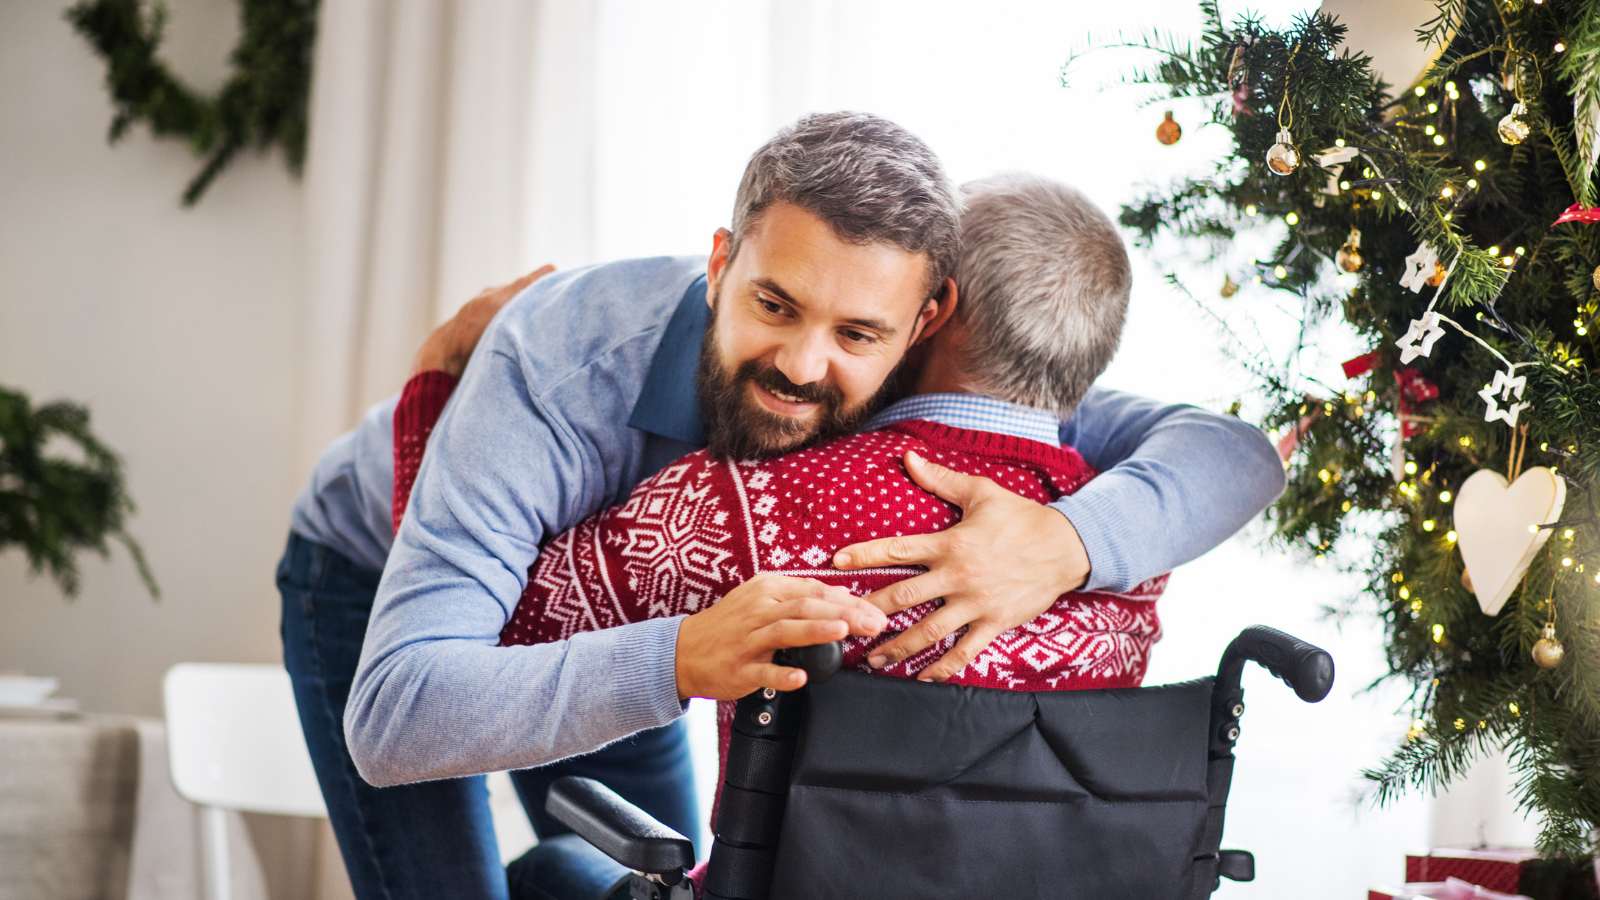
[{"x": 584, "y": 386}]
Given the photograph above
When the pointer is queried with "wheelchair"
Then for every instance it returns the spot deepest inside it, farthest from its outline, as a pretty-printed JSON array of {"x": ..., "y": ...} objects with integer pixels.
[{"x": 868, "y": 786}]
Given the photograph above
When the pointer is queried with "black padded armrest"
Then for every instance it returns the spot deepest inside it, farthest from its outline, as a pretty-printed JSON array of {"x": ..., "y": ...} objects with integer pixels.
[
  {"x": 1306, "y": 668},
  {"x": 621, "y": 830}
]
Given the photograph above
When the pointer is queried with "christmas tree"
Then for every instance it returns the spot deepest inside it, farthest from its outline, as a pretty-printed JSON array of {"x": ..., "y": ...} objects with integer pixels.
[{"x": 1450, "y": 224}]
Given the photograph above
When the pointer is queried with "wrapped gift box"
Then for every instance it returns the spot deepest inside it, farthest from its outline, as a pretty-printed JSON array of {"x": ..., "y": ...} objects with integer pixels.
[
  {"x": 1449, "y": 889},
  {"x": 1498, "y": 869}
]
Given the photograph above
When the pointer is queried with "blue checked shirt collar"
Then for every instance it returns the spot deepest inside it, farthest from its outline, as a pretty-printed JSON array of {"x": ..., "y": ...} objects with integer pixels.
[{"x": 975, "y": 413}]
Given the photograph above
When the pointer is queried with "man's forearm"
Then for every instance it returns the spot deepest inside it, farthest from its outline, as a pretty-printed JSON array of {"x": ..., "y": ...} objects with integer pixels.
[
  {"x": 1176, "y": 482},
  {"x": 431, "y": 709}
]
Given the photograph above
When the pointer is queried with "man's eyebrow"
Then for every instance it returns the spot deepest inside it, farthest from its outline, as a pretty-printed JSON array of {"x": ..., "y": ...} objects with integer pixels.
[{"x": 884, "y": 328}]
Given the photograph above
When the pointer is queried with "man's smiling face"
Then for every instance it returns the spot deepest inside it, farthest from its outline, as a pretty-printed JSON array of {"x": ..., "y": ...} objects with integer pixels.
[{"x": 806, "y": 329}]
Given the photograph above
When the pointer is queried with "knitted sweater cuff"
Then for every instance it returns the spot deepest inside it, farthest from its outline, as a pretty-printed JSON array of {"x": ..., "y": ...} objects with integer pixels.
[
  {"x": 421, "y": 404},
  {"x": 646, "y": 673},
  {"x": 1103, "y": 533}
]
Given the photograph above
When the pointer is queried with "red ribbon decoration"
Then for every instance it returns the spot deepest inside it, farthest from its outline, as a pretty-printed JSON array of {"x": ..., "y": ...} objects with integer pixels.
[
  {"x": 1577, "y": 212},
  {"x": 1414, "y": 389},
  {"x": 1361, "y": 365}
]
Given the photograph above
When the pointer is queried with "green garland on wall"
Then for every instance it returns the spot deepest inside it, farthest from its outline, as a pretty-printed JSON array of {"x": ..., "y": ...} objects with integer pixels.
[{"x": 263, "y": 103}]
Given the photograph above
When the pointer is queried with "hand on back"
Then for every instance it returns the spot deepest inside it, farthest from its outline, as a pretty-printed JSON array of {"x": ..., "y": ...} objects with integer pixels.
[
  {"x": 1003, "y": 564},
  {"x": 450, "y": 345}
]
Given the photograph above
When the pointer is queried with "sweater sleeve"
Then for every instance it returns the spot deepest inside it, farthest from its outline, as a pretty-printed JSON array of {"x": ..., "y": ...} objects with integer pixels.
[
  {"x": 1175, "y": 482},
  {"x": 420, "y": 404}
]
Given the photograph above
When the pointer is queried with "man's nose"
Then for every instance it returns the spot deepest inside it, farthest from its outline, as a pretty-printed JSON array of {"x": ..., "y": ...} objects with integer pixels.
[{"x": 804, "y": 359}]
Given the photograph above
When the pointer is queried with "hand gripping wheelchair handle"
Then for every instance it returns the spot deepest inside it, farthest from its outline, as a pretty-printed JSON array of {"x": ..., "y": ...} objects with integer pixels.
[
  {"x": 621, "y": 830},
  {"x": 1306, "y": 668},
  {"x": 819, "y": 661}
]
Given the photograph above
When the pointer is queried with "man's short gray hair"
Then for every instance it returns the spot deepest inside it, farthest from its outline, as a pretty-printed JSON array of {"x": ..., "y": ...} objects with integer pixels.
[
  {"x": 1044, "y": 282},
  {"x": 869, "y": 179}
]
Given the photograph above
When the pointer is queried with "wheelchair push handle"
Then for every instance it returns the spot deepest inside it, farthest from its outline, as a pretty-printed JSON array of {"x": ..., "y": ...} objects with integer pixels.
[
  {"x": 1305, "y": 667},
  {"x": 819, "y": 661}
]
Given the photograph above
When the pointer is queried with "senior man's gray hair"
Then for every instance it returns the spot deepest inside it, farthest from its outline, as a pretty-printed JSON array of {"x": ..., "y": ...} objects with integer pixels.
[
  {"x": 1044, "y": 283},
  {"x": 869, "y": 179}
]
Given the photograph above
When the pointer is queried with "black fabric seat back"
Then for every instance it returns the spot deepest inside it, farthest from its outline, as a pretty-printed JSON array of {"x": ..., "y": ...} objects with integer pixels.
[{"x": 901, "y": 789}]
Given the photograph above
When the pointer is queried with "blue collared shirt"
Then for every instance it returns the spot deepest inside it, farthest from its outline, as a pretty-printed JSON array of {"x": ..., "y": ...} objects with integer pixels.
[
  {"x": 582, "y": 387},
  {"x": 975, "y": 413}
]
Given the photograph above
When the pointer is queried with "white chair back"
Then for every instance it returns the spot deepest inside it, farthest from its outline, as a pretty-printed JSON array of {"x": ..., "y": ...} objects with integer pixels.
[{"x": 234, "y": 740}]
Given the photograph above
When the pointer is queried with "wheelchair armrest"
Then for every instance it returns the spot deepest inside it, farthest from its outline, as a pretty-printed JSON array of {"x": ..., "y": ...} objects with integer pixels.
[
  {"x": 619, "y": 829},
  {"x": 820, "y": 661},
  {"x": 1306, "y": 668}
]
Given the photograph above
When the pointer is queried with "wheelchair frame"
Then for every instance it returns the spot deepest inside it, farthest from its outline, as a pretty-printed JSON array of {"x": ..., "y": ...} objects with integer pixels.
[{"x": 761, "y": 753}]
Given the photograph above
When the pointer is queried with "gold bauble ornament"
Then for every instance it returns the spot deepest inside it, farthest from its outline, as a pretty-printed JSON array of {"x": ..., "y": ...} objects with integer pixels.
[
  {"x": 1168, "y": 131},
  {"x": 1547, "y": 651},
  {"x": 1514, "y": 128},
  {"x": 1437, "y": 278},
  {"x": 1349, "y": 256},
  {"x": 1596, "y": 278},
  {"x": 1282, "y": 157},
  {"x": 1229, "y": 287}
]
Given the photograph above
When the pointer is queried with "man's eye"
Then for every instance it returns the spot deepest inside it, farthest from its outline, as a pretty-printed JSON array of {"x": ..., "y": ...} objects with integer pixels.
[
  {"x": 858, "y": 337},
  {"x": 770, "y": 306}
]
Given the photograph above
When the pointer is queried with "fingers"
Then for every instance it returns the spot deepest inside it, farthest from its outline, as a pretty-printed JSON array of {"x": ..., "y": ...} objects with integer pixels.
[
  {"x": 904, "y": 550},
  {"x": 979, "y": 635},
  {"x": 912, "y": 591},
  {"x": 946, "y": 484},
  {"x": 786, "y": 633},
  {"x": 779, "y": 678},
  {"x": 934, "y": 627},
  {"x": 531, "y": 277}
]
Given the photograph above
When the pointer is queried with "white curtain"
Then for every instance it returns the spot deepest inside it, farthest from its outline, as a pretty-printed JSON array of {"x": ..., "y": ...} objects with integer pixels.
[{"x": 451, "y": 142}]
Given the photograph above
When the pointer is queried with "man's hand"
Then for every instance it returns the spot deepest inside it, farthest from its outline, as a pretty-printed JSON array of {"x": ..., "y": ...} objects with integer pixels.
[
  {"x": 451, "y": 344},
  {"x": 1004, "y": 563},
  {"x": 725, "y": 652}
]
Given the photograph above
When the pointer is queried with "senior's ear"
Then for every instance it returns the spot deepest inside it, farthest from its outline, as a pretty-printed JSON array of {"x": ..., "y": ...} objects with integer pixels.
[
  {"x": 936, "y": 311},
  {"x": 721, "y": 248}
]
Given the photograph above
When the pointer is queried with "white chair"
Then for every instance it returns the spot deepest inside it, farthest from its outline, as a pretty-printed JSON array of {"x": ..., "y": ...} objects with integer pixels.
[{"x": 234, "y": 742}]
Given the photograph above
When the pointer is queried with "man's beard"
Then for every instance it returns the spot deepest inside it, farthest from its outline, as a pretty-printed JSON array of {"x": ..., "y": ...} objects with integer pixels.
[{"x": 738, "y": 427}]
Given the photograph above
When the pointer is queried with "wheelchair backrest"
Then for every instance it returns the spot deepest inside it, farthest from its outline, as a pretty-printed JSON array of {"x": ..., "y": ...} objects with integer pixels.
[{"x": 895, "y": 788}]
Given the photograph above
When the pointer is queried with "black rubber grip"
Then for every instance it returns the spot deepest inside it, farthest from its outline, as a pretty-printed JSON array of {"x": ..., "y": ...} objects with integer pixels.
[
  {"x": 819, "y": 661},
  {"x": 1305, "y": 667},
  {"x": 759, "y": 765},
  {"x": 739, "y": 873},
  {"x": 749, "y": 817}
]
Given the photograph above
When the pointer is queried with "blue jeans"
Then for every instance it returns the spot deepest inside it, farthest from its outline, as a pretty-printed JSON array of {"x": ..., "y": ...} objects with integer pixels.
[{"x": 436, "y": 838}]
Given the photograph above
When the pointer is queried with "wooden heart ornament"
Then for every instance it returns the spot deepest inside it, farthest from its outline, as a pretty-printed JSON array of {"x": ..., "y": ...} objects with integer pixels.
[{"x": 1492, "y": 520}]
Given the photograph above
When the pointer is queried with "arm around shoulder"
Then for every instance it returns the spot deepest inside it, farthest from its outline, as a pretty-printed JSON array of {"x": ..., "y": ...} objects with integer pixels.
[{"x": 1176, "y": 481}]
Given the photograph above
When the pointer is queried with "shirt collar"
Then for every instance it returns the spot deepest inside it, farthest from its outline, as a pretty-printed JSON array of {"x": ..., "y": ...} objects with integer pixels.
[
  {"x": 975, "y": 413},
  {"x": 669, "y": 405}
]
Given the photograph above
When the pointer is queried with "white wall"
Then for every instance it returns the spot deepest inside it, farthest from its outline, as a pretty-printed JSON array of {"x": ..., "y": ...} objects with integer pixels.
[{"x": 177, "y": 328}]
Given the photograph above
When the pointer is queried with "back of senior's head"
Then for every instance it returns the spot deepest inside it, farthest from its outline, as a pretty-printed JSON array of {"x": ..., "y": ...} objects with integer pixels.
[
  {"x": 869, "y": 179},
  {"x": 1044, "y": 282}
]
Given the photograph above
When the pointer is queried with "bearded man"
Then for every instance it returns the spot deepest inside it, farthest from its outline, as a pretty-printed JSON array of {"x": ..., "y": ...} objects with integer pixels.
[{"x": 844, "y": 232}]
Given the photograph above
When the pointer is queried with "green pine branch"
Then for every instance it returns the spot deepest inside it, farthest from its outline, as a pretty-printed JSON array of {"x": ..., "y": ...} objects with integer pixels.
[{"x": 53, "y": 506}]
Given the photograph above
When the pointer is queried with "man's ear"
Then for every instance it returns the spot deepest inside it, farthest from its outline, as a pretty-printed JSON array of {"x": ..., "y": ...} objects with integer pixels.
[
  {"x": 936, "y": 311},
  {"x": 721, "y": 250}
]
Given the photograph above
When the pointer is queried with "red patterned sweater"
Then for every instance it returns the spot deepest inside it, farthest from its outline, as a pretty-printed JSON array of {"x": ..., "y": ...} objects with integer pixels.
[{"x": 702, "y": 526}]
